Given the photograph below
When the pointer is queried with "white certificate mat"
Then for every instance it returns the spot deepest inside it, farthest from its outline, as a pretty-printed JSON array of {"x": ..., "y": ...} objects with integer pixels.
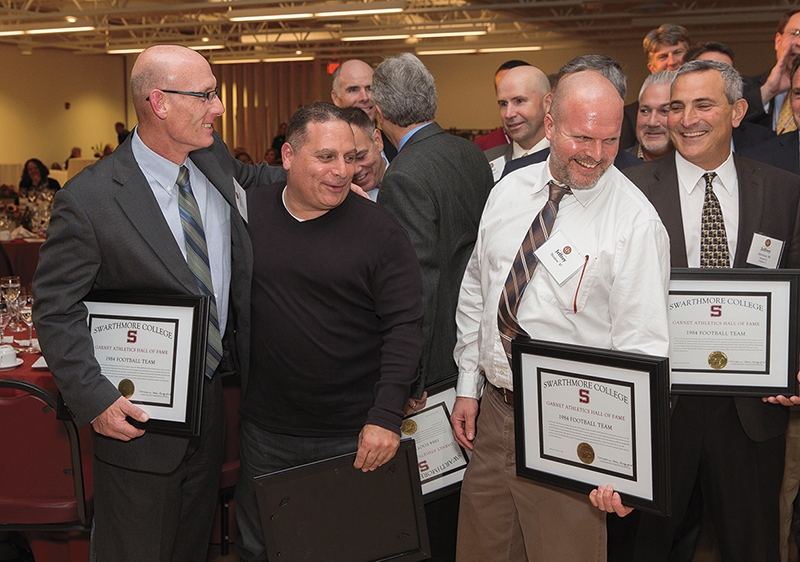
[
  {"x": 585, "y": 417},
  {"x": 733, "y": 331},
  {"x": 152, "y": 349}
]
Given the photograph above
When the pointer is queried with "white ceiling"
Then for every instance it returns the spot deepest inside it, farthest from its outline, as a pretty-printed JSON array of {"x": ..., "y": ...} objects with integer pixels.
[{"x": 552, "y": 23}]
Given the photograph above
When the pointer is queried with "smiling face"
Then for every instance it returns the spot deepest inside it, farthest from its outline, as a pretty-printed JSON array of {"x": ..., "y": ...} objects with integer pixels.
[
  {"x": 354, "y": 87},
  {"x": 583, "y": 129},
  {"x": 701, "y": 120},
  {"x": 319, "y": 171},
  {"x": 651, "y": 121},
  {"x": 369, "y": 162},
  {"x": 520, "y": 96},
  {"x": 667, "y": 57}
]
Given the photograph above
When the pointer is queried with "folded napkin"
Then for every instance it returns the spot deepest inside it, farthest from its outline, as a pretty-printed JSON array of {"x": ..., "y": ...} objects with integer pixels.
[{"x": 22, "y": 232}]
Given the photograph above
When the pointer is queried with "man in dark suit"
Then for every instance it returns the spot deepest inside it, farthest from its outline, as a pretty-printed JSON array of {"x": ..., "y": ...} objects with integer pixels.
[
  {"x": 352, "y": 87},
  {"x": 436, "y": 187},
  {"x": 117, "y": 227},
  {"x": 732, "y": 446}
]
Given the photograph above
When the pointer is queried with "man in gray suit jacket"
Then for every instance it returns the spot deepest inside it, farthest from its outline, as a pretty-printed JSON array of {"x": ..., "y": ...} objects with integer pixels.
[
  {"x": 117, "y": 227},
  {"x": 436, "y": 187},
  {"x": 724, "y": 443}
]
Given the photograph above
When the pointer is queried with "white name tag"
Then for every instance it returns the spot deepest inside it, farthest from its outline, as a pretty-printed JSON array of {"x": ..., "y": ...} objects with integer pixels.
[
  {"x": 559, "y": 257},
  {"x": 497, "y": 165},
  {"x": 765, "y": 252},
  {"x": 241, "y": 199}
]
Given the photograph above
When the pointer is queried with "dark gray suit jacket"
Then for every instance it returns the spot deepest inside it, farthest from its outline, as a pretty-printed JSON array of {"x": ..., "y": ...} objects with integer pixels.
[
  {"x": 437, "y": 186},
  {"x": 769, "y": 202},
  {"x": 108, "y": 233},
  {"x": 782, "y": 152}
]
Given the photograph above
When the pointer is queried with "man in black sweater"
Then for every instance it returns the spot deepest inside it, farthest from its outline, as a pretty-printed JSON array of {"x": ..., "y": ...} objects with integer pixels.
[{"x": 337, "y": 317}]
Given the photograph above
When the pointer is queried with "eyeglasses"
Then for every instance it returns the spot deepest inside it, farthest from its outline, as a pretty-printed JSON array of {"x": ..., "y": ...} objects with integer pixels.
[
  {"x": 794, "y": 33},
  {"x": 210, "y": 95}
]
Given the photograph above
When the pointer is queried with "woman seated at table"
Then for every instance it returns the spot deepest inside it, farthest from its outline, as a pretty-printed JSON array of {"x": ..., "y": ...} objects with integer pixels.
[{"x": 35, "y": 179}]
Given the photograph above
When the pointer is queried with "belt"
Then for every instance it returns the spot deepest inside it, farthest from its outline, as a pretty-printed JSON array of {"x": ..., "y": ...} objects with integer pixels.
[{"x": 508, "y": 395}]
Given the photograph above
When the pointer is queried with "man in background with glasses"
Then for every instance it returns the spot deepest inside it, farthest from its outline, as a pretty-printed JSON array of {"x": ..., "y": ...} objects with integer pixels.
[{"x": 121, "y": 225}]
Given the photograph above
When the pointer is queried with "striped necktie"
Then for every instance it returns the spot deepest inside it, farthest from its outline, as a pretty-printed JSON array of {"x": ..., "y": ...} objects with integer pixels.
[
  {"x": 524, "y": 265},
  {"x": 714, "y": 250},
  {"x": 197, "y": 259}
]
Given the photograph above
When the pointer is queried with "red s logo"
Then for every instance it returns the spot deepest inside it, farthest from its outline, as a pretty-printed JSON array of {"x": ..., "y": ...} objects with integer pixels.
[
  {"x": 583, "y": 395},
  {"x": 716, "y": 310},
  {"x": 131, "y": 336}
]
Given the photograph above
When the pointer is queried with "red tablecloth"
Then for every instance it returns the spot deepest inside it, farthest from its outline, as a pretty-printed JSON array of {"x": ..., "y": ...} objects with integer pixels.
[
  {"x": 39, "y": 377},
  {"x": 24, "y": 257}
]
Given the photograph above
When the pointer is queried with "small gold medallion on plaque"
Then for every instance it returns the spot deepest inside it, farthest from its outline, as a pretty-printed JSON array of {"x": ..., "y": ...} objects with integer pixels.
[
  {"x": 717, "y": 360},
  {"x": 586, "y": 453},
  {"x": 126, "y": 388},
  {"x": 408, "y": 427}
]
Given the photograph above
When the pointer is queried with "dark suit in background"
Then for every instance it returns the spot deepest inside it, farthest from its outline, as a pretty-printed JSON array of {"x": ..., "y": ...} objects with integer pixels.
[
  {"x": 782, "y": 152},
  {"x": 755, "y": 107},
  {"x": 769, "y": 200},
  {"x": 108, "y": 233},
  {"x": 747, "y": 135}
]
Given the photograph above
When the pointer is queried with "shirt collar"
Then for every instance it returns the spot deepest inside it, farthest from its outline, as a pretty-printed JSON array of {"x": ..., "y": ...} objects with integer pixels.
[
  {"x": 519, "y": 152},
  {"x": 158, "y": 168},
  {"x": 690, "y": 176},
  {"x": 408, "y": 135}
]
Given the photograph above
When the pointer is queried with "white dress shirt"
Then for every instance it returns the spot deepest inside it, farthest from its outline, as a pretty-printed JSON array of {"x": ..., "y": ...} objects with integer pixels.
[
  {"x": 692, "y": 190},
  {"x": 519, "y": 152},
  {"x": 621, "y": 301}
]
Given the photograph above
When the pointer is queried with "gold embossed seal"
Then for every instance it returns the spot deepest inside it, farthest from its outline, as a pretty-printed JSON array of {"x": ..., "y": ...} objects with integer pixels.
[
  {"x": 408, "y": 427},
  {"x": 717, "y": 360},
  {"x": 586, "y": 453},
  {"x": 126, "y": 388}
]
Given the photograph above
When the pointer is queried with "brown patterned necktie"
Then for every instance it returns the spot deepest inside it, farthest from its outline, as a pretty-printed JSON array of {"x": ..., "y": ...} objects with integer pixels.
[
  {"x": 713, "y": 240},
  {"x": 524, "y": 265}
]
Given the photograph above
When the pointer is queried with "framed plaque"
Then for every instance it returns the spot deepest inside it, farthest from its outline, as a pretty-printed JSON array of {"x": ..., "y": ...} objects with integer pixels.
[
  {"x": 586, "y": 417},
  {"x": 733, "y": 331},
  {"x": 441, "y": 460},
  {"x": 152, "y": 348},
  {"x": 328, "y": 511}
]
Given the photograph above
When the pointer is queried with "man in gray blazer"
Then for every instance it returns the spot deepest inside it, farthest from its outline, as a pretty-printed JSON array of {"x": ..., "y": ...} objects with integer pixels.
[
  {"x": 116, "y": 227},
  {"x": 436, "y": 187}
]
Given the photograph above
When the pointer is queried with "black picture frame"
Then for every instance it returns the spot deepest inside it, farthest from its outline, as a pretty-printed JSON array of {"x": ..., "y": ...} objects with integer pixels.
[
  {"x": 188, "y": 316},
  {"x": 328, "y": 511},
  {"x": 644, "y": 483},
  {"x": 732, "y": 368}
]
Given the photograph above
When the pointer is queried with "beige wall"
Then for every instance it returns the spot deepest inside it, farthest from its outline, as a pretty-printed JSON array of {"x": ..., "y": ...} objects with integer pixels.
[{"x": 34, "y": 89}]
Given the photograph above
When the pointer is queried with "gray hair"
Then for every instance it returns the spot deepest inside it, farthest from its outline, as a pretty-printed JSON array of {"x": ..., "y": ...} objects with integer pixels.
[
  {"x": 603, "y": 64},
  {"x": 657, "y": 79},
  {"x": 404, "y": 90},
  {"x": 732, "y": 78}
]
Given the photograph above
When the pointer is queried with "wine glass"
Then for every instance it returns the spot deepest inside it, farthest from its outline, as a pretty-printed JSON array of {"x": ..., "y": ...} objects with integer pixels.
[
  {"x": 26, "y": 313},
  {"x": 5, "y": 318},
  {"x": 9, "y": 286}
]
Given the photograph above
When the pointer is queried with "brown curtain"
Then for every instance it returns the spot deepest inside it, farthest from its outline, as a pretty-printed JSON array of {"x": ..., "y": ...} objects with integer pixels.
[{"x": 259, "y": 97}]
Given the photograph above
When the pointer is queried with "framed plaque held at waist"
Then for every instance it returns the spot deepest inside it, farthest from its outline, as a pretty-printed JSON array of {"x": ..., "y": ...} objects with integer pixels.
[
  {"x": 733, "y": 331},
  {"x": 152, "y": 348}
]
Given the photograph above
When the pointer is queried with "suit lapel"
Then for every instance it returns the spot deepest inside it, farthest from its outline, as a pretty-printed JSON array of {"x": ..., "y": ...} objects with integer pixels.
[
  {"x": 751, "y": 206},
  {"x": 665, "y": 197}
]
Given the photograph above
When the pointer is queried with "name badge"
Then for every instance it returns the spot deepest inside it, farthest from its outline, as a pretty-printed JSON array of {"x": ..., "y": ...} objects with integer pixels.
[
  {"x": 765, "y": 251},
  {"x": 559, "y": 257},
  {"x": 497, "y": 165},
  {"x": 241, "y": 199}
]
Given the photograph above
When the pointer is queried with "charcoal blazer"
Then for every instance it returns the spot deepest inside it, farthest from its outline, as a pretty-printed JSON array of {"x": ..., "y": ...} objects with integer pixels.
[
  {"x": 782, "y": 152},
  {"x": 107, "y": 232},
  {"x": 769, "y": 200},
  {"x": 437, "y": 186}
]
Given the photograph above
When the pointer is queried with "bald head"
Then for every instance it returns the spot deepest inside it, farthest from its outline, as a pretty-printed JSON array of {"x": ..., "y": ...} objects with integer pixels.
[
  {"x": 352, "y": 87},
  {"x": 583, "y": 126},
  {"x": 520, "y": 97},
  {"x": 161, "y": 67}
]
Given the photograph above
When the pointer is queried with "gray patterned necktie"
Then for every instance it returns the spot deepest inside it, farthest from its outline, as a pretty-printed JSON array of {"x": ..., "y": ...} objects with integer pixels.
[
  {"x": 197, "y": 259},
  {"x": 714, "y": 250},
  {"x": 524, "y": 265}
]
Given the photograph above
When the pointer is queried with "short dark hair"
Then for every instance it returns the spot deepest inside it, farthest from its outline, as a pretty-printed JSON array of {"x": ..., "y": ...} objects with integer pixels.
[
  {"x": 666, "y": 34},
  {"x": 707, "y": 47},
  {"x": 358, "y": 118},
  {"x": 318, "y": 112},
  {"x": 509, "y": 64},
  {"x": 785, "y": 19}
]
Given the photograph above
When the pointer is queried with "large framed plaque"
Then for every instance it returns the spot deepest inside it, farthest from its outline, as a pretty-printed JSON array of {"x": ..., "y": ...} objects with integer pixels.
[
  {"x": 586, "y": 417},
  {"x": 441, "y": 460},
  {"x": 733, "y": 331},
  {"x": 152, "y": 348}
]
